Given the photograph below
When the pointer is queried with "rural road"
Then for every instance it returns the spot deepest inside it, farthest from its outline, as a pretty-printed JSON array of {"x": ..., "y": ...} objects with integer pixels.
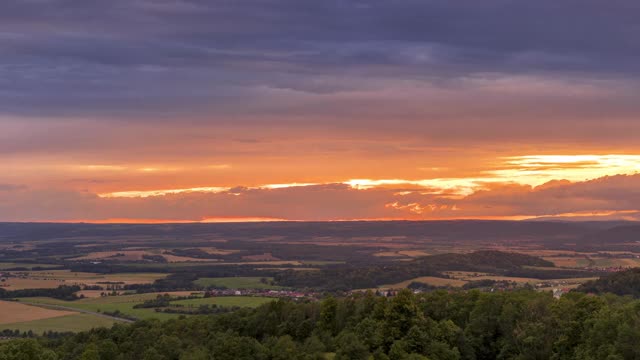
[{"x": 66, "y": 308}]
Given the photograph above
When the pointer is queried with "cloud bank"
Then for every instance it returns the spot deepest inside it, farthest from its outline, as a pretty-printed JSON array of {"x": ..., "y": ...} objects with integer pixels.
[{"x": 615, "y": 196}]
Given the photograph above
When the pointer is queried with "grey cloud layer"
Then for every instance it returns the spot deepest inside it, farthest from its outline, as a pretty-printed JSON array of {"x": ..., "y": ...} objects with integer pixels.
[{"x": 150, "y": 57}]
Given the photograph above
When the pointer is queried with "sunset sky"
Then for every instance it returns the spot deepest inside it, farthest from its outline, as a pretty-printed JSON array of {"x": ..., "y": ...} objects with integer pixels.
[{"x": 228, "y": 110}]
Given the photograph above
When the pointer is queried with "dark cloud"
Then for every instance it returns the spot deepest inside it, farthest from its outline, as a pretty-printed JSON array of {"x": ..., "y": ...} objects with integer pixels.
[{"x": 150, "y": 57}]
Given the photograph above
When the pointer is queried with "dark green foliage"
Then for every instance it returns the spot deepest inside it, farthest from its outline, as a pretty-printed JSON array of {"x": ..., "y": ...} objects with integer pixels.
[
  {"x": 62, "y": 292},
  {"x": 521, "y": 325},
  {"x": 620, "y": 283},
  {"x": 350, "y": 277}
]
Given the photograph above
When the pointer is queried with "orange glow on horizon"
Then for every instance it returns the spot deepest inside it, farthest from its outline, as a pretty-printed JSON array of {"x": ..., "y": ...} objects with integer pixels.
[{"x": 533, "y": 170}]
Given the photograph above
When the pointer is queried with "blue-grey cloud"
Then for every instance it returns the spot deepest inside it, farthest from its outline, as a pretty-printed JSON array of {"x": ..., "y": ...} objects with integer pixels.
[{"x": 154, "y": 57}]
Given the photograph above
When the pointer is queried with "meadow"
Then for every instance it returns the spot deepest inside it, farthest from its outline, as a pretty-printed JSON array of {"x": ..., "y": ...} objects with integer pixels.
[
  {"x": 125, "y": 304},
  {"x": 226, "y": 301},
  {"x": 68, "y": 323}
]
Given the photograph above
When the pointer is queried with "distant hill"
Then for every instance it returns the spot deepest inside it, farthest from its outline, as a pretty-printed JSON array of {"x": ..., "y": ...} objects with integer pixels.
[
  {"x": 620, "y": 283},
  {"x": 437, "y": 230},
  {"x": 629, "y": 233},
  {"x": 359, "y": 277}
]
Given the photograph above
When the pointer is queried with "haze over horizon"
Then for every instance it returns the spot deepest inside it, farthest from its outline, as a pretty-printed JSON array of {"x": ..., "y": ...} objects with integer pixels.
[{"x": 193, "y": 110}]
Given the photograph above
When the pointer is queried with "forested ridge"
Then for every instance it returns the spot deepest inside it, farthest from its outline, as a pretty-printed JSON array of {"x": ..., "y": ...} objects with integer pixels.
[
  {"x": 438, "y": 326},
  {"x": 361, "y": 276},
  {"x": 620, "y": 283}
]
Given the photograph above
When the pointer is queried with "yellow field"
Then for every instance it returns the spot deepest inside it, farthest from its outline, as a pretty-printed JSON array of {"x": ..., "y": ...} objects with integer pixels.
[
  {"x": 54, "y": 278},
  {"x": 14, "y": 312},
  {"x": 413, "y": 253},
  {"x": 175, "y": 259},
  {"x": 592, "y": 261},
  {"x": 565, "y": 261},
  {"x": 386, "y": 254},
  {"x": 20, "y": 284},
  {"x": 214, "y": 251}
]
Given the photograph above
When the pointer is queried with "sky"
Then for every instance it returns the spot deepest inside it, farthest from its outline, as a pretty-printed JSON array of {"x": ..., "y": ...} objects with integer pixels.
[{"x": 256, "y": 110}]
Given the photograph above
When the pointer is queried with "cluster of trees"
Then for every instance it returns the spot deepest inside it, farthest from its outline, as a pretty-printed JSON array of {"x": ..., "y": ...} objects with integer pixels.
[
  {"x": 162, "y": 301},
  {"x": 440, "y": 325},
  {"x": 203, "y": 309},
  {"x": 620, "y": 283},
  {"x": 62, "y": 292},
  {"x": 360, "y": 276},
  {"x": 14, "y": 334},
  {"x": 182, "y": 281}
]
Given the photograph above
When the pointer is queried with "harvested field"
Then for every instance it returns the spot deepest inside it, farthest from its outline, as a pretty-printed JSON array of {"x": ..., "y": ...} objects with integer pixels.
[
  {"x": 54, "y": 278},
  {"x": 413, "y": 253},
  {"x": 214, "y": 251},
  {"x": 176, "y": 259},
  {"x": 386, "y": 254},
  {"x": 13, "y": 283},
  {"x": 14, "y": 312}
]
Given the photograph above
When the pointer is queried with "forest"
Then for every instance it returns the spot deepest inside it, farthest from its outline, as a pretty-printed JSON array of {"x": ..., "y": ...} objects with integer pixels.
[
  {"x": 438, "y": 325},
  {"x": 360, "y": 276}
]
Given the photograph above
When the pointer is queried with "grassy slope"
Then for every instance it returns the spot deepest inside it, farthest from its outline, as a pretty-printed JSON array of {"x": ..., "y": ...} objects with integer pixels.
[
  {"x": 227, "y": 301},
  {"x": 73, "y": 323},
  {"x": 124, "y": 304}
]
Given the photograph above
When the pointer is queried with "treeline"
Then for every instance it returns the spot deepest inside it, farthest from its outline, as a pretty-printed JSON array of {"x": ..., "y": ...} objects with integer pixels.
[
  {"x": 63, "y": 292},
  {"x": 15, "y": 334},
  {"x": 522, "y": 325},
  {"x": 349, "y": 277},
  {"x": 620, "y": 283},
  {"x": 174, "y": 282}
]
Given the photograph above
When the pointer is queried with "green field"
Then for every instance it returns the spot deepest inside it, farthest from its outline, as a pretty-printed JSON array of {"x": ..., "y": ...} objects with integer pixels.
[
  {"x": 237, "y": 283},
  {"x": 70, "y": 323},
  {"x": 124, "y": 304},
  {"x": 227, "y": 301}
]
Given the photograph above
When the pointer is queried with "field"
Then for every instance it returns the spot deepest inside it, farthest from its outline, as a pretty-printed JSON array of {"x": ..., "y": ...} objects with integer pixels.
[
  {"x": 227, "y": 301},
  {"x": 125, "y": 304},
  {"x": 238, "y": 283},
  {"x": 68, "y": 323},
  {"x": 14, "y": 312},
  {"x": 429, "y": 280},
  {"x": 54, "y": 278},
  {"x": 321, "y": 255},
  {"x": 588, "y": 261}
]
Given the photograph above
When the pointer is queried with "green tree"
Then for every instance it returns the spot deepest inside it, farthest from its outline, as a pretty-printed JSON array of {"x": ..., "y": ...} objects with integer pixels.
[{"x": 350, "y": 347}]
